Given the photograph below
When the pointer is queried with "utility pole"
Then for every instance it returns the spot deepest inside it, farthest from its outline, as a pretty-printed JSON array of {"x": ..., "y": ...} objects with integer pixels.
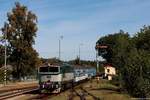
[
  {"x": 79, "y": 51},
  {"x": 60, "y": 38}
]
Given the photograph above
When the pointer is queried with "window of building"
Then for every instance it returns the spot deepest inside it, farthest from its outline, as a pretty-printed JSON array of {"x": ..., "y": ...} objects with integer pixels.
[{"x": 108, "y": 70}]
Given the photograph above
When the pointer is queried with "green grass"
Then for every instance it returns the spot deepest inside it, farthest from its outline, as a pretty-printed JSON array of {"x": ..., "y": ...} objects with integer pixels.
[
  {"x": 106, "y": 91},
  {"x": 102, "y": 89}
]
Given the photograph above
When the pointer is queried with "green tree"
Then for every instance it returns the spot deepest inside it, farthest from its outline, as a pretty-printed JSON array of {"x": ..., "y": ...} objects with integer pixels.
[
  {"x": 142, "y": 39},
  {"x": 138, "y": 63},
  {"x": 51, "y": 61},
  {"x": 131, "y": 56},
  {"x": 21, "y": 30},
  {"x": 118, "y": 44},
  {"x": 75, "y": 61},
  {"x": 136, "y": 74}
]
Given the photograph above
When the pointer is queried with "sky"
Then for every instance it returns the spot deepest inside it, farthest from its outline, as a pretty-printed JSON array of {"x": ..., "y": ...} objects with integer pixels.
[{"x": 80, "y": 22}]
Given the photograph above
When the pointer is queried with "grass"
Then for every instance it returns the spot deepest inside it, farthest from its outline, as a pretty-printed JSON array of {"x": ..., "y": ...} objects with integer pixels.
[
  {"x": 102, "y": 89},
  {"x": 106, "y": 91}
]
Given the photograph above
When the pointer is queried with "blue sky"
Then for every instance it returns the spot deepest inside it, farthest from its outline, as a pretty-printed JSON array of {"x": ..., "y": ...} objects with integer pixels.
[{"x": 80, "y": 21}]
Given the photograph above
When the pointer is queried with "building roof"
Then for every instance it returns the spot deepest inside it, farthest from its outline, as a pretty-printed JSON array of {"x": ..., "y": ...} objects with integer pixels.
[{"x": 108, "y": 65}]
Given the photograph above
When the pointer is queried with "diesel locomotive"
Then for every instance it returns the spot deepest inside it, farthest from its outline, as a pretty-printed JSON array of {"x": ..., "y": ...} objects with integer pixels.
[{"x": 55, "y": 78}]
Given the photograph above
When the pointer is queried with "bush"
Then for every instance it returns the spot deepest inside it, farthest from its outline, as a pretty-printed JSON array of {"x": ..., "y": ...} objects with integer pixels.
[{"x": 115, "y": 81}]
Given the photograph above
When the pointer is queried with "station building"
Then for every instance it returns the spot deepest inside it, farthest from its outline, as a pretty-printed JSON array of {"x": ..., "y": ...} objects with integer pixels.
[{"x": 109, "y": 71}]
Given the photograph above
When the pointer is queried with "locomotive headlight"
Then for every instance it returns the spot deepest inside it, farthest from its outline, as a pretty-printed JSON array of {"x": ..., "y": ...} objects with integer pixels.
[
  {"x": 43, "y": 86},
  {"x": 57, "y": 86}
]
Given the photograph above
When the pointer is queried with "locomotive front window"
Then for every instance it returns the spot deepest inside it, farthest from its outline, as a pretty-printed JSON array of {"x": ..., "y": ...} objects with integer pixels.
[
  {"x": 43, "y": 69},
  {"x": 53, "y": 69}
]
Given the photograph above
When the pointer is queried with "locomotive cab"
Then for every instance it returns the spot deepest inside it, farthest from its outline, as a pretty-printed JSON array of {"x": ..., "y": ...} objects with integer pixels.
[
  {"x": 54, "y": 78},
  {"x": 49, "y": 78}
]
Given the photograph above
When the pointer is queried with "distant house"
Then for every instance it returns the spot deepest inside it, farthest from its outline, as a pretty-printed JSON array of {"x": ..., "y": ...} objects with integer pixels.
[{"x": 109, "y": 71}]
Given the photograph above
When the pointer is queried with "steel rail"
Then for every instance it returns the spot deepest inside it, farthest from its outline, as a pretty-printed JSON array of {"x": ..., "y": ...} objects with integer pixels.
[{"x": 14, "y": 93}]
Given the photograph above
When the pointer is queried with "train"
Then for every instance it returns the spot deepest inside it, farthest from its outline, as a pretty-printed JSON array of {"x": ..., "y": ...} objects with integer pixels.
[{"x": 55, "y": 78}]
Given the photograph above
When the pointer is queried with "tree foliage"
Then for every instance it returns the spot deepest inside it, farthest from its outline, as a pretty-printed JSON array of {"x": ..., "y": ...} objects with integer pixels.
[
  {"x": 20, "y": 30},
  {"x": 50, "y": 60},
  {"x": 131, "y": 56},
  {"x": 77, "y": 61},
  {"x": 118, "y": 44}
]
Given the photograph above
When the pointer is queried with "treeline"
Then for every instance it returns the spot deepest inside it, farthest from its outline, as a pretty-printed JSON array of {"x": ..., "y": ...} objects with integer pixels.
[
  {"x": 50, "y": 61},
  {"x": 76, "y": 61},
  {"x": 131, "y": 56}
]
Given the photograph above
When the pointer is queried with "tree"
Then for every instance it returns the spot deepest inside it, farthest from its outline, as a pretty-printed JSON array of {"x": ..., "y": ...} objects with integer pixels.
[
  {"x": 118, "y": 44},
  {"x": 20, "y": 30},
  {"x": 131, "y": 56},
  {"x": 136, "y": 76},
  {"x": 142, "y": 39},
  {"x": 139, "y": 61},
  {"x": 75, "y": 61},
  {"x": 51, "y": 61}
]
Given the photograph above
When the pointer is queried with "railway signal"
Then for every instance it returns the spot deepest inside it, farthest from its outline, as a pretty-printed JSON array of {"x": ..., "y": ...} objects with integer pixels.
[
  {"x": 5, "y": 63},
  {"x": 100, "y": 50}
]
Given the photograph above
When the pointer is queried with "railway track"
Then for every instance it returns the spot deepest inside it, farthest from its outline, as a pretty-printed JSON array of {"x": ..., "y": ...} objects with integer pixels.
[
  {"x": 81, "y": 93},
  {"x": 45, "y": 96},
  {"x": 73, "y": 92},
  {"x": 85, "y": 91},
  {"x": 16, "y": 92}
]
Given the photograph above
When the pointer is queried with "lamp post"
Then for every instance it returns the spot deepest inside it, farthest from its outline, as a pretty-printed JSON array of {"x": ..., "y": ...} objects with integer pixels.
[
  {"x": 80, "y": 50},
  {"x": 60, "y": 38}
]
